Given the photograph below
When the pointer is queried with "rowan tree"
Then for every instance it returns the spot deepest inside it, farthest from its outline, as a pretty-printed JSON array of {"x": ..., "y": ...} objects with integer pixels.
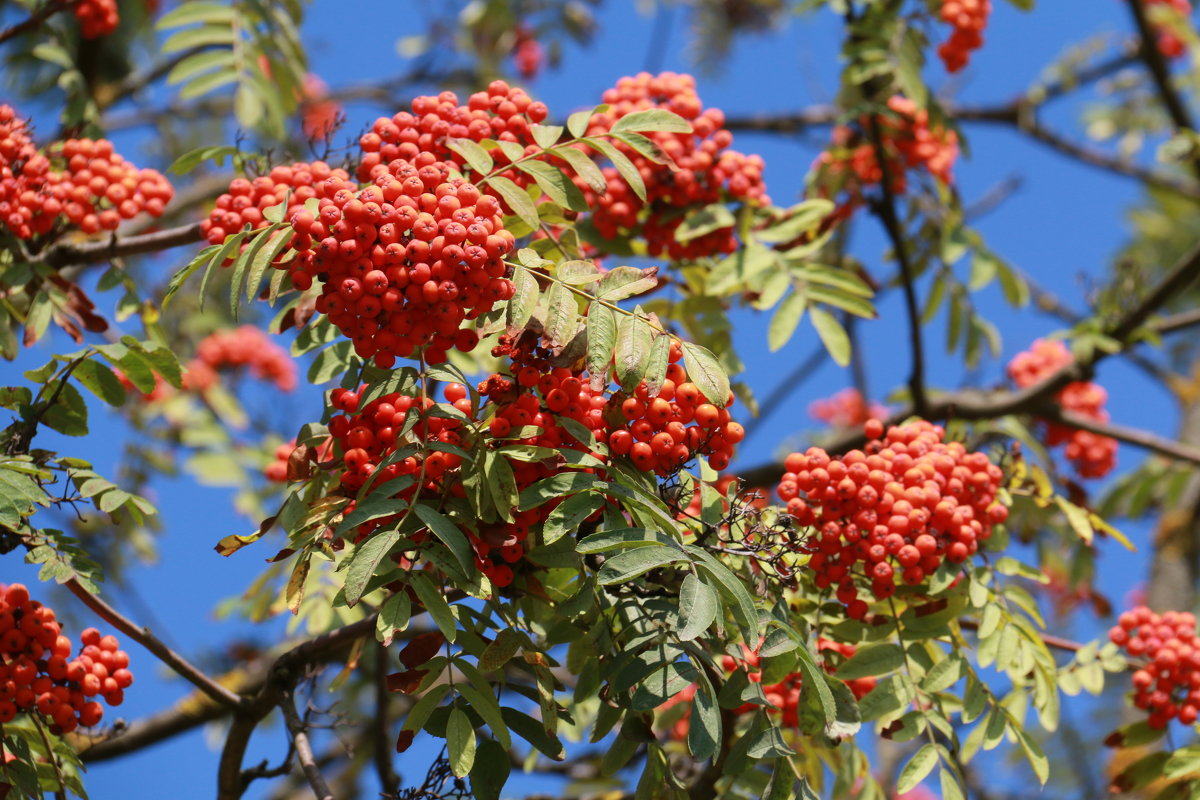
[{"x": 510, "y": 530}]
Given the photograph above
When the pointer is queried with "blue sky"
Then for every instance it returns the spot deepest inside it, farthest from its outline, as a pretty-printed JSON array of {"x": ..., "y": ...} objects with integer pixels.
[{"x": 1061, "y": 226}]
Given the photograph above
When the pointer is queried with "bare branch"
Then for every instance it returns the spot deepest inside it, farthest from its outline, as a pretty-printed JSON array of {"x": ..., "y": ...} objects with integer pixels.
[
  {"x": 67, "y": 254},
  {"x": 148, "y": 640},
  {"x": 36, "y": 19},
  {"x": 304, "y": 753}
]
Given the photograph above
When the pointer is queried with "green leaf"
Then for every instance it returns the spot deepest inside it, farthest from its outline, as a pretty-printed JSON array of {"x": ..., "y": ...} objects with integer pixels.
[
  {"x": 192, "y": 12},
  {"x": 501, "y": 650},
  {"x": 707, "y": 373},
  {"x": 204, "y": 35},
  {"x": 584, "y": 167},
  {"x": 785, "y": 319},
  {"x": 568, "y": 515},
  {"x": 393, "y": 616},
  {"x": 524, "y": 300},
  {"x": 652, "y": 120},
  {"x": 832, "y": 334},
  {"x": 871, "y": 660},
  {"x": 622, "y": 282},
  {"x": 190, "y": 67},
  {"x": 264, "y": 255},
  {"x": 460, "y": 742},
  {"x": 602, "y": 339},
  {"x": 435, "y": 603},
  {"x": 577, "y": 123},
  {"x": 478, "y": 159},
  {"x": 556, "y": 185},
  {"x": 705, "y": 220},
  {"x": 704, "y": 728},
  {"x": 917, "y": 768},
  {"x": 632, "y": 351},
  {"x": 625, "y": 168},
  {"x": 698, "y": 606},
  {"x": 632, "y": 563},
  {"x": 798, "y": 220},
  {"x": 517, "y": 199},
  {"x": 490, "y": 771},
  {"x": 562, "y": 315},
  {"x": 448, "y": 532},
  {"x": 100, "y": 381},
  {"x": 365, "y": 561},
  {"x": 656, "y": 364}
]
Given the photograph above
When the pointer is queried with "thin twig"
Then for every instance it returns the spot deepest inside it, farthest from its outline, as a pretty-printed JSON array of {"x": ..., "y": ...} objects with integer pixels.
[
  {"x": 36, "y": 19},
  {"x": 886, "y": 210},
  {"x": 304, "y": 753}
]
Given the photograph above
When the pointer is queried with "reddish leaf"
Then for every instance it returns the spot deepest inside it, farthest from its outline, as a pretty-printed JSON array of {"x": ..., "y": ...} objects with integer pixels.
[
  {"x": 404, "y": 741},
  {"x": 421, "y": 649},
  {"x": 405, "y": 682}
]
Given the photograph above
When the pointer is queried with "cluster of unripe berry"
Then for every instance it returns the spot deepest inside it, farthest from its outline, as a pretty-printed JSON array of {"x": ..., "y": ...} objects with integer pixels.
[
  {"x": 244, "y": 347},
  {"x": 38, "y": 674},
  {"x": 405, "y": 261},
  {"x": 1093, "y": 455},
  {"x": 968, "y": 18},
  {"x": 910, "y": 142},
  {"x": 97, "y": 17},
  {"x": 846, "y": 409},
  {"x": 893, "y": 511},
  {"x": 783, "y": 696},
  {"x": 1168, "y": 43},
  {"x": 1168, "y": 686},
  {"x": 705, "y": 170},
  {"x": 80, "y": 180},
  {"x": 247, "y": 200}
]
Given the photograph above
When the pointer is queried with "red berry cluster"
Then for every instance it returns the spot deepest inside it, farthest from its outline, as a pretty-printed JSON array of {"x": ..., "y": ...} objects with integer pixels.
[
  {"x": 319, "y": 113},
  {"x": 783, "y": 696},
  {"x": 367, "y": 436},
  {"x": 248, "y": 347},
  {"x": 1169, "y": 685},
  {"x": 246, "y": 200},
  {"x": 909, "y": 141},
  {"x": 528, "y": 53},
  {"x": 968, "y": 18},
  {"x": 659, "y": 433},
  {"x": 405, "y": 261},
  {"x": 1169, "y": 44},
  {"x": 97, "y": 17},
  {"x": 846, "y": 409},
  {"x": 502, "y": 112},
  {"x": 1093, "y": 455},
  {"x": 705, "y": 171},
  {"x": 38, "y": 674},
  {"x": 94, "y": 189},
  {"x": 900, "y": 507}
]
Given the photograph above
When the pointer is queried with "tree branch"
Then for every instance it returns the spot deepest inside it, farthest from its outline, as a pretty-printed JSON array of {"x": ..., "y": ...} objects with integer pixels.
[
  {"x": 304, "y": 753},
  {"x": 973, "y": 404},
  {"x": 886, "y": 210},
  {"x": 1159, "y": 72},
  {"x": 1135, "y": 436},
  {"x": 68, "y": 254},
  {"x": 148, "y": 640},
  {"x": 36, "y": 19}
]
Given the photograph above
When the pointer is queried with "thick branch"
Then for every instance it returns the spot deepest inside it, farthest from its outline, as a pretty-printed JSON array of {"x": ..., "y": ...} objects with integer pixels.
[
  {"x": 146, "y": 639},
  {"x": 1123, "y": 433},
  {"x": 68, "y": 254}
]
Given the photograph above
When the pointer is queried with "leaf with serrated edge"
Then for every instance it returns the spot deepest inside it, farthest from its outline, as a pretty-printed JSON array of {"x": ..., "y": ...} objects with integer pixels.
[{"x": 706, "y": 372}]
